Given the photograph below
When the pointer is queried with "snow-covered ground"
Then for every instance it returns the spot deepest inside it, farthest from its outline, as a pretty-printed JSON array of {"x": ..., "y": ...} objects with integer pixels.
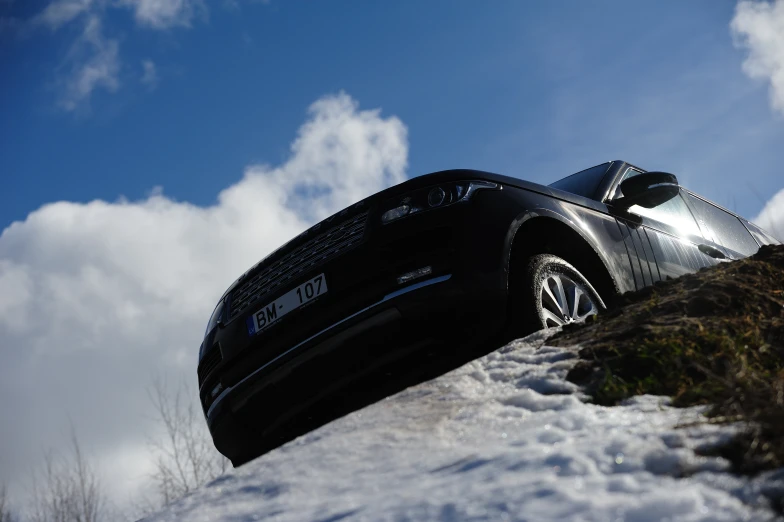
[{"x": 504, "y": 437}]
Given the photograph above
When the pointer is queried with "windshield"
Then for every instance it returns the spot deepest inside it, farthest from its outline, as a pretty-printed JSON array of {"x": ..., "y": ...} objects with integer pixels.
[{"x": 584, "y": 183}]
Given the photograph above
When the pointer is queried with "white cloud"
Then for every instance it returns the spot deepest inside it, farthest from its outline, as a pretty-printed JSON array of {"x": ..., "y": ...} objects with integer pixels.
[
  {"x": 92, "y": 62},
  {"x": 96, "y": 298},
  {"x": 163, "y": 14},
  {"x": 59, "y": 13},
  {"x": 149, "y": 74},
  {"x": 231, "y": 5},
  {"x": 759, "y": 28},
  {"x": 771, "y": 217}
]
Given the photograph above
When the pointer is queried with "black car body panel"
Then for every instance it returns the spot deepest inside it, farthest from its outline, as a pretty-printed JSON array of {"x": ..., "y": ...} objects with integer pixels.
[{"x": 253, "y": 384}]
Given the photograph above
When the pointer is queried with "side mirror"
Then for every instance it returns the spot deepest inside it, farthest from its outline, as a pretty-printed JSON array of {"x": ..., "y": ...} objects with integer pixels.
[{"x": 647, "y": 190}]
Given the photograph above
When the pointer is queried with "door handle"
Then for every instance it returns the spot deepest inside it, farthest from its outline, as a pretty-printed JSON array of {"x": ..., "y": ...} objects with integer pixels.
[{"x": 711, "y": 251}]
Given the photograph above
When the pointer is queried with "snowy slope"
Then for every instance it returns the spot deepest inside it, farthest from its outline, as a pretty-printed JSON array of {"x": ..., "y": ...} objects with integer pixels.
[{"x": 504, "y": 437}]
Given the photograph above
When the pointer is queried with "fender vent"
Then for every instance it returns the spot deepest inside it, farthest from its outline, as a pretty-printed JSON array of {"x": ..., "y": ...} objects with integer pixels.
[{"x": 208, "y": 363}]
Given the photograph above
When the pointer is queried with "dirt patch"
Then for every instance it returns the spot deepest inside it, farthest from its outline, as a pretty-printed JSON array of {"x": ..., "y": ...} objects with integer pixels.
[{"x": 715, "y": 338}]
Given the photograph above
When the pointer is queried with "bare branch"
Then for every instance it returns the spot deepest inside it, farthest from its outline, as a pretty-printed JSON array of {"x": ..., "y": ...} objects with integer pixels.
[
  {"x": 184, "y": 455},
  {"x": 5, "y": 508},
  {"x": 69, "y": 491}
]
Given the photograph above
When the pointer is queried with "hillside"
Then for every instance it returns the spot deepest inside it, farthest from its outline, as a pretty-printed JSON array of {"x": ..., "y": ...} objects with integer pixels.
[
  {"x": 715, "y": 338},
  {"x": 605, "y": 421}
]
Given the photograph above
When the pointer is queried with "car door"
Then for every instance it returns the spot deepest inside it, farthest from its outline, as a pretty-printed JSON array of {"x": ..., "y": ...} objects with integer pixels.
[{"x": 665, "y": 241}]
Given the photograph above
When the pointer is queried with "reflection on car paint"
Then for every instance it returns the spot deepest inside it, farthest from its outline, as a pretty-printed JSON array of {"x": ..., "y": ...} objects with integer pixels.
[
  {"x": 645, "y": 266},
  {"x": 652, "y": 264},
  {"x": 631, "y": 249},
  {"x": 598, "y": 227},
  {"x": 677, "y": 256}
]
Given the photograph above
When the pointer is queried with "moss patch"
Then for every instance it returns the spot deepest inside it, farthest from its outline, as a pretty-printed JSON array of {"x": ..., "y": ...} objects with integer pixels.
[{"x": 715, "y": 338}]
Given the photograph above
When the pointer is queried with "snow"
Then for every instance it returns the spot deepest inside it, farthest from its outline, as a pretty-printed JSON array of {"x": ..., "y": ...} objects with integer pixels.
[{"x": 504, "y": 437}]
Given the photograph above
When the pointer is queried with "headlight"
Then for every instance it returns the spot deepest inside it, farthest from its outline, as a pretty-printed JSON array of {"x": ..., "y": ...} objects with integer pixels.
[
  {"x": 395, "y": 213},
  {"x": 436, "y": 196},
  {"x": 432, "y": 197},
  {"x": 215, "y": 317}
]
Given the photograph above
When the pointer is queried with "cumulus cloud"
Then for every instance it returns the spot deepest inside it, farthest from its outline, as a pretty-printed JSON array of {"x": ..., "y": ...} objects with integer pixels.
[
  {"x": 758, "y": 27},
  {"x": 92, "y": 63},
  {"x": 97, "y": 298},
  {"x": 162, "y": 14},
  {"x": 771, "y": 218},
  {"x": 149, "y": 74}
]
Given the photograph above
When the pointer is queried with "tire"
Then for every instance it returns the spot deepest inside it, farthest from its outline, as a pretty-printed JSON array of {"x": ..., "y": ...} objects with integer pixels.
[{"x": 548, "y": 294}]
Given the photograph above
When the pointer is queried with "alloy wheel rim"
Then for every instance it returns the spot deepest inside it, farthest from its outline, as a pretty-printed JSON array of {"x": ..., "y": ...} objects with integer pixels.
[{"x": 565, "y": 301}]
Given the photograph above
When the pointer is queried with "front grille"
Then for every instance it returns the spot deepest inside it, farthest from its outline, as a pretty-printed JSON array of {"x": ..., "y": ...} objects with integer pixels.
[
  {"x": 208, "y": 363},
  {"x": 303, "y": 258}
]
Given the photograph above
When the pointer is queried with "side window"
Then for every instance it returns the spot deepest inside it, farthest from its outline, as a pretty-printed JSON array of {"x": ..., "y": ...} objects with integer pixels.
[
  {"x": 725, "y": 228},
  {"x": 674, "y": 212},
  {"x": 626, "y": 175},
  {"x": 762, "y": 237}
]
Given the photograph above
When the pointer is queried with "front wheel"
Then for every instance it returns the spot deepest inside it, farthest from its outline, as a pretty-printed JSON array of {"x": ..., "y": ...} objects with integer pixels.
[{"x": 555, "y": 293}]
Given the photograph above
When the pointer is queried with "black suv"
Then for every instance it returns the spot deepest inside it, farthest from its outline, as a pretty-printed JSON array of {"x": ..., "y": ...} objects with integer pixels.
[{"x": 437, "y": 269}]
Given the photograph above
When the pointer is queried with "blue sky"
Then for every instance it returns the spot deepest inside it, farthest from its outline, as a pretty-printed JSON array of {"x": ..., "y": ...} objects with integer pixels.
[
  {"x": 534, "y": 90},
  {"x": 152, "y": 150}
]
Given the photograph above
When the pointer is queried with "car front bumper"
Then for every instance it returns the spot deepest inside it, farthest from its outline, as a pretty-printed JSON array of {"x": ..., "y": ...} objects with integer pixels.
[{"x": 366, "y": 324}]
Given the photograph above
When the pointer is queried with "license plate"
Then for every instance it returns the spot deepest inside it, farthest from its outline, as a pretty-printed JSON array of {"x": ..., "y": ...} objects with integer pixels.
[{"x": 270, "y": 313}]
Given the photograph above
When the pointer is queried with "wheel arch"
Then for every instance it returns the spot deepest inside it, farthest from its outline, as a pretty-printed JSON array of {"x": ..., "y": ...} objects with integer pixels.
[{"x": 543, "y": 231}]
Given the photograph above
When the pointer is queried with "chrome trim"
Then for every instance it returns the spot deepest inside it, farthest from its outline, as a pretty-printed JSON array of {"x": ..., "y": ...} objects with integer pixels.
[
  {"x": 389, "y": 296},
  {"x": 473, "y": 186},
  {"x": 410, "y": 288}
]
